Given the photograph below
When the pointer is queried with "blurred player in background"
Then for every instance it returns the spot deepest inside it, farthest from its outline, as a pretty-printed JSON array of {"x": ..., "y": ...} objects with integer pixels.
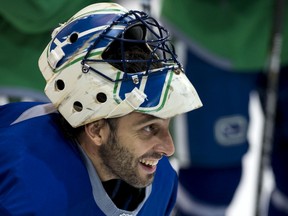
[{"x": 227, "y": 45}]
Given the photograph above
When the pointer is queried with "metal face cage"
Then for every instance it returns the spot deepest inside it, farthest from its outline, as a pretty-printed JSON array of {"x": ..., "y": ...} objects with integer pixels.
[{"x": 141, "y": 30}]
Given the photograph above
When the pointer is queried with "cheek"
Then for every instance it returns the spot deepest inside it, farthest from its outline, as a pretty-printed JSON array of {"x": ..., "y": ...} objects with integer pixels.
[{"x": 135, "y": 145}]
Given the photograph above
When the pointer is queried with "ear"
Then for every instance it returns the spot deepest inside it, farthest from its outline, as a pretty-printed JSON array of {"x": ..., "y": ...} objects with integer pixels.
[{"x": 97, "y": 131}]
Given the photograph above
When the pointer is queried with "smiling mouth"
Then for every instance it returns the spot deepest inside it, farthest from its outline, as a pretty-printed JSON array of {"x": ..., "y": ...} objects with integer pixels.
[
  {"x": 149, "y": 166},
  {"x": 150, "y": 163}
]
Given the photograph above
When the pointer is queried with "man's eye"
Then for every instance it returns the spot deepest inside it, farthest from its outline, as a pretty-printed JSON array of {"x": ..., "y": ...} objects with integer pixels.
[{"x": 150, "y": 129}]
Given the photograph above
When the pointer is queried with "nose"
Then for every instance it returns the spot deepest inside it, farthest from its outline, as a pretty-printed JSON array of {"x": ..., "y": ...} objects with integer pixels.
[{"x": 166, "y": 144}]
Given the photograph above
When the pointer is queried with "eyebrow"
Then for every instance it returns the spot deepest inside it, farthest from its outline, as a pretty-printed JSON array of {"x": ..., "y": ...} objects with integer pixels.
[{"x": 145, "y": 119}]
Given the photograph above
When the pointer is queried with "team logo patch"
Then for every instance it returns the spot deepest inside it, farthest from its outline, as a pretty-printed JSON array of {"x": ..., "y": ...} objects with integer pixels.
[{"x": 231, "y": 130}]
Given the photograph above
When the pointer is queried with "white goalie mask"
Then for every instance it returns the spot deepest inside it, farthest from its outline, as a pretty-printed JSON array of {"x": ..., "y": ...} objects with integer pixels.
[{"x": 106, "y": 62}]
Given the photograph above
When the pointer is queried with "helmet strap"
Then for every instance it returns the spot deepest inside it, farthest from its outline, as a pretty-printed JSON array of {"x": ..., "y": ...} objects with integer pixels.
[{"x": 132, "y": 102}]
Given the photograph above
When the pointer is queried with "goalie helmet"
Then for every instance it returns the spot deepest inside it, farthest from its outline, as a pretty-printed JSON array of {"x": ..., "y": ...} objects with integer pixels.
[{"x": 93, "y": 68}]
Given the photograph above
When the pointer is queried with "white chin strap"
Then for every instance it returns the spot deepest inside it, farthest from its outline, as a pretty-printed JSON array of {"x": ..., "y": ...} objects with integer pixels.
[{"x": 132, "y": 102}]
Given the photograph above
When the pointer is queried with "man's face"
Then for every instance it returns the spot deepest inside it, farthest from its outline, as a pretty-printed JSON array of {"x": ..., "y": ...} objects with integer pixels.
[{"x": 133, "y": 151}]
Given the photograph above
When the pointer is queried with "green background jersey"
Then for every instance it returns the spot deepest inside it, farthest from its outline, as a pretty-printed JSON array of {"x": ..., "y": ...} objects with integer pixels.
[
  {"x": 233, "y": 31},
  {"x": 25, "y": 30}
]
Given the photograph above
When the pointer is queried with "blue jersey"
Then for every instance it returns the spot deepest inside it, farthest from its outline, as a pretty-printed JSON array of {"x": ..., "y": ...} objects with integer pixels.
[{"x": 43, "y": 173}]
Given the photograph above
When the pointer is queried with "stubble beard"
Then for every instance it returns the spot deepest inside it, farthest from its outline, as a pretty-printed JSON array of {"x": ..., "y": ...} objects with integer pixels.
[{"x": 120, "y": 162}]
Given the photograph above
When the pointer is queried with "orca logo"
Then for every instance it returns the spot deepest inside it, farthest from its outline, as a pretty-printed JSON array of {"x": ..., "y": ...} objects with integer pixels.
[{"x": 231, "y": 130}]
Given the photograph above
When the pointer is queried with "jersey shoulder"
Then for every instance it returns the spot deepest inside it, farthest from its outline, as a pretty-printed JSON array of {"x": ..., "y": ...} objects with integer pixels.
[{"x": 41, "y": 172}]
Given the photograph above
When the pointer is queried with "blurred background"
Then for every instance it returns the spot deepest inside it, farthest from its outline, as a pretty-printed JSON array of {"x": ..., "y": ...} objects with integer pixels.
[{"x": 29, "y": 86}]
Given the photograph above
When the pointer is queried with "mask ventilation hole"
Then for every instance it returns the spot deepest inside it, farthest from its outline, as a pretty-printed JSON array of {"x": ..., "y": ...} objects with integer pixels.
[
  {"x": 59, "y": 85},
  {"x": 101, "y": 97},
  {"x": 77, "y": 106},
  {"x": 73, "y": 37}
]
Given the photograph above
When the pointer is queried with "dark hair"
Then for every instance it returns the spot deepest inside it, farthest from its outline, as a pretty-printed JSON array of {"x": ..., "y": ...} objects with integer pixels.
[
  {"x": 68, "y": 131},
  {"x": 132, "y": 51},
  {"x": 72, "y": 133}
]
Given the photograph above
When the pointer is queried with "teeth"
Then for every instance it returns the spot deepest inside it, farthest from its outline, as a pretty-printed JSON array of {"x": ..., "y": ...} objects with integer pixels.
[{"x": 149, "y": 162}]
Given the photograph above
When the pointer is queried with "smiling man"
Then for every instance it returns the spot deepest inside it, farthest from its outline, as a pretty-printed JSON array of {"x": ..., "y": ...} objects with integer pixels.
[
  {"x": 101, "y": 146},
  {"x": 132, "y": 151}
]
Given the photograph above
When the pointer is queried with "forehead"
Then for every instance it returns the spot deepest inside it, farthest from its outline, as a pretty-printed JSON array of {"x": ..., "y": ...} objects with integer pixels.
[{"x": 138, "y": 119}]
